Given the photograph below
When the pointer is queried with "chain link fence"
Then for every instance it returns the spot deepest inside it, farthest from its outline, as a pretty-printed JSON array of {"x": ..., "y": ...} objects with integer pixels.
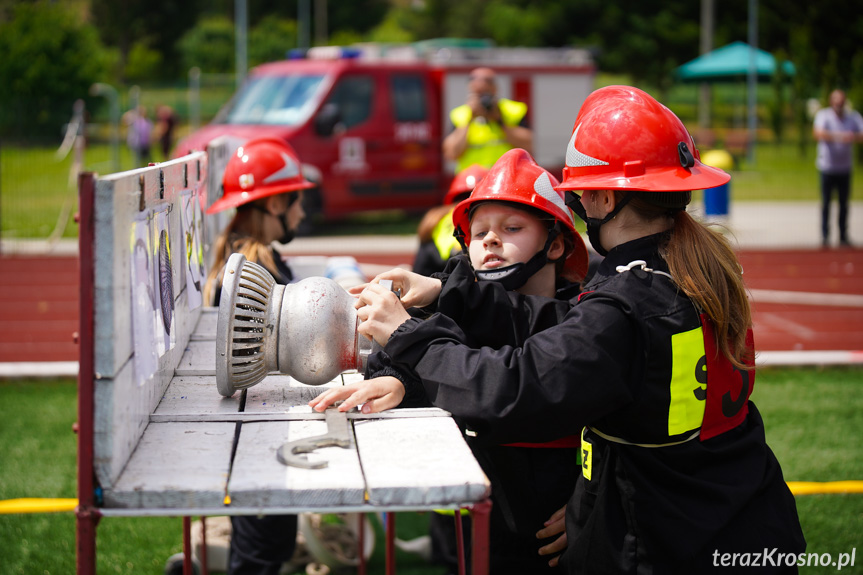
[{"x": 38, "y": 178}]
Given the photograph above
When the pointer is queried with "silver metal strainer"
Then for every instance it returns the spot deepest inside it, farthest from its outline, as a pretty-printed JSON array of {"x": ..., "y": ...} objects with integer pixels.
[
  {"x": 242, "y": 335},
  {"x": 307, "y": 330}
]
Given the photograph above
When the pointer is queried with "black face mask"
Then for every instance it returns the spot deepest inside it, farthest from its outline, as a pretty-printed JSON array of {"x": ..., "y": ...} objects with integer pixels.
[
  {"x": 514, "y": 276},
  {"x": 287, "y": 234},
  {"x": 594, "y": 224}
]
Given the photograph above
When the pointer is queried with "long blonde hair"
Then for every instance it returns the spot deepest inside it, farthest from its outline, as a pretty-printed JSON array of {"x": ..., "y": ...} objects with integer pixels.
[
  {"x": 243, "y": 235},
  {"x": 705, "y": 267}
]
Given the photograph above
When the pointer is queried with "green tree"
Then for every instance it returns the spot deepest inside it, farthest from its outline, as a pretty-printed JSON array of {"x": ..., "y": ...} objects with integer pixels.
[
  {"x": 209, "y": 45},
  {"x": 391, "y": 29},
  {"x": 142, "y": 63},
  {"x": 513, "y": 25},
  {"x": 50, "y": 59},
  {"x": 155, "y": 25},
  {"x": 271, "y": 39}
]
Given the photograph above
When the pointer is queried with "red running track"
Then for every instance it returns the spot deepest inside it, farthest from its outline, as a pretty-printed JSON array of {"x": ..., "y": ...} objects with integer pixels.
[{"x": 824, "y": 311}]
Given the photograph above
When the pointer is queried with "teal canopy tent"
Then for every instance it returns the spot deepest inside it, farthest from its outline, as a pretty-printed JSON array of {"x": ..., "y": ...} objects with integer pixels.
[{"x": 730, "y": 62}]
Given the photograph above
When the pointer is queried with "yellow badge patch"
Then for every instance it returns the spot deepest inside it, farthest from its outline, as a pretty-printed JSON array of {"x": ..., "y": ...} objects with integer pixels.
[
  {"x": 586, "y": 456},
  {"x": 688, "y": 382}
]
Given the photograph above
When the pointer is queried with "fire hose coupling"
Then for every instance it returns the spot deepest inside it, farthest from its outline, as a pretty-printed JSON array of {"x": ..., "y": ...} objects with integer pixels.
[{"x": 307, "y": 330}]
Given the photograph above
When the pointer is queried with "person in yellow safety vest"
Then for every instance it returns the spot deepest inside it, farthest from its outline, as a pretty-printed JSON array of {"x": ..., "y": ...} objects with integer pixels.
[
  {"x": 435, "y": 230},
  {"x": 485, "y": 126}
]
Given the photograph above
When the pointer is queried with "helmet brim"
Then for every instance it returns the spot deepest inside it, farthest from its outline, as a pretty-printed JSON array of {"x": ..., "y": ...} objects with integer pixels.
[
  {"x": 236, "y": 200},
  {"x": 674, "y": 179}
]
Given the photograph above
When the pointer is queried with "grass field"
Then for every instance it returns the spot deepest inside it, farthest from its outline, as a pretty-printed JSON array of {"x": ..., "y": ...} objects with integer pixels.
[
  {"x": 814, "y": 421},
  {"x": 35, "y": 187}
]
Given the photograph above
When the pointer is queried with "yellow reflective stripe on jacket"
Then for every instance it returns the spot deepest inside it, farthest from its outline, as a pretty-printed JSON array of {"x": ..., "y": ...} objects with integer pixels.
[
  {"x": 688, "y": 388},
  {"x": 443, "y": 239},
  {"x": 486, "y": 142},
  {"x": 586, "y": 456}
]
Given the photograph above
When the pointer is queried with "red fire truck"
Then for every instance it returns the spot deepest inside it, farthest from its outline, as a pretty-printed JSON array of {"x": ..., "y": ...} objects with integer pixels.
[{"x": 368, "y": 122}]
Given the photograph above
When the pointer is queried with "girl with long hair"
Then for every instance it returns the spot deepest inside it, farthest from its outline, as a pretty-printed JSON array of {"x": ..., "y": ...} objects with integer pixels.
[{"x": 653, "y": 364}]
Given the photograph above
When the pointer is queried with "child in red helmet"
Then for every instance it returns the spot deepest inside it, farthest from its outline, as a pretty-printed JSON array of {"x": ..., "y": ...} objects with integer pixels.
[
  {"x": 516, "y": 231},
  {"x": 264, "y": 182},
  {"x": 654, "y": 364},
  {"x": 437, "y": 243}
]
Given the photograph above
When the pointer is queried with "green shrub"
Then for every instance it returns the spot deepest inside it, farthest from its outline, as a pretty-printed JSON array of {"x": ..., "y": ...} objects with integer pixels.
[
  {"x": 50, "y": 59},
  {"x": 209, "y": 45},
  {"x": 271, "y": 39}
]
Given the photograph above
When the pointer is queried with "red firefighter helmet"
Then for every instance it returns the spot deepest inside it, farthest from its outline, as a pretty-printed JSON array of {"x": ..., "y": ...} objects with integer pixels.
[
  {"x": 260, "y": 168},
  {"x": 623, "y": 139},
  {"x": 517, "y": 178},
  {"x": 464, "y": 182}
]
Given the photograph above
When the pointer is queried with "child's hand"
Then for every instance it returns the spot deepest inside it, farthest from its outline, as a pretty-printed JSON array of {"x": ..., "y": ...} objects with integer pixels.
[
  {"x": 554, "y": 526},
  {"x": 380, "y": 313},
  {"x": 416, "y": 290},
  {"x": 376, "y": 395},
  {"x": 357, "y": 289}
]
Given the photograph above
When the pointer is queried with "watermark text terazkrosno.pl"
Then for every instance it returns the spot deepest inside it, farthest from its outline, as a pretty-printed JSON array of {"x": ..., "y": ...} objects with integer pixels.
[{"x": 774, "y": 558}]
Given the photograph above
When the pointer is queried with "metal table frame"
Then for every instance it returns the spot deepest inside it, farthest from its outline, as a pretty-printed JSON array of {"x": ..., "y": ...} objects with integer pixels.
[{"x": 90, "y": 507}]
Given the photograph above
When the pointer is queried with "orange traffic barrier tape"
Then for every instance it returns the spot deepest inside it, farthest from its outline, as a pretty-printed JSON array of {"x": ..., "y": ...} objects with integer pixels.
[
  {"x": 32, "y": 505},
  {"x": 819, "y": 487}
]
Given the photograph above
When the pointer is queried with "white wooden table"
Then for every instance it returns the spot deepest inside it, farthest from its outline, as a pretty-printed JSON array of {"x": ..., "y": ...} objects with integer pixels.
[
  {"x": 402, "y": 460},
  {"x": 154, "y": 435}
]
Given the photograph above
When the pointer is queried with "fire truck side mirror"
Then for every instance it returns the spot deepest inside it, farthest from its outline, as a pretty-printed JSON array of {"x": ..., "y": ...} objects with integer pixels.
[{"x": 328, "y": 117}]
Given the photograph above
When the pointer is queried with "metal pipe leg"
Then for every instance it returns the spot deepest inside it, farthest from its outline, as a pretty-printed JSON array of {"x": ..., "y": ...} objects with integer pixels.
[
  {"x": 391, "y": 543},
  {"x": 187, "y": 546},
  {"x": 481, "y": 514},
  {"x": 86, "y": 514},
  {"x": 459, "y": 542},
  {"x": 86, "y": 520},
  {"x": 361, "y": 543},
  {"x": 204, "y": 569}
]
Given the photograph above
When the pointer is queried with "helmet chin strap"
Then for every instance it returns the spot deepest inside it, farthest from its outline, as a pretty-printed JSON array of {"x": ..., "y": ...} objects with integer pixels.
[
  {"x": 514, "y": 276},
  {"x": 594, "y": 224},
  {"x": 287, "y": 234}
]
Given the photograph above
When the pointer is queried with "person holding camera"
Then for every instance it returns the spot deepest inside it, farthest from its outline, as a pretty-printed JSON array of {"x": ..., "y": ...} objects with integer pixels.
[{"x": 485, "y": 126}]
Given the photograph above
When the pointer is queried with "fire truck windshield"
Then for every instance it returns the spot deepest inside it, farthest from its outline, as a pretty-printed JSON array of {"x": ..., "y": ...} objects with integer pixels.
[{"x": 278, "y": 100}]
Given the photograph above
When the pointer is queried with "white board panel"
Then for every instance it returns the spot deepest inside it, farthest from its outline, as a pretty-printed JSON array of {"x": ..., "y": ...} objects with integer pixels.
[
  {"x": 112, "y": 292},
  {"x": 199, "y": 358},
  {"x": 122, "y": 403},
  {"x": 196, "y": 395},
  {"x": 207, "y": 323},
  {"x": 176, "y": 465},
  {"x": 283, "y": 393},
  {"x": 258, "y": 479},
  {"x": 423, "y": 461},
  {"x": 122, "y": 410}
]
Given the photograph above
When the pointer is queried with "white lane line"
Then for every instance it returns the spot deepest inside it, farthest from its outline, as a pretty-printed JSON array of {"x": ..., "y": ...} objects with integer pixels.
[
  {"x": 806, "y": 298},
  {"x": 788, "y": 326}
]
